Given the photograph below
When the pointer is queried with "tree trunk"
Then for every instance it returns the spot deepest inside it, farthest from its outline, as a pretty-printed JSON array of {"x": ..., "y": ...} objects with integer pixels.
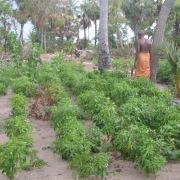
[
  {"x": 135, "y": 30},
  {"x": 84, "y": 27},
  {"x": 21, "y": 34},
  {"x": 42, "y": 37},
  {"x": 104, "y": 61},
  {"x": 95, "y": 23},
  {"x": 37, "y": 33},
  {"x": 159, "y": 35},
  {"x": 45, "y": 45},
  {"x": 119, "y": 38}
]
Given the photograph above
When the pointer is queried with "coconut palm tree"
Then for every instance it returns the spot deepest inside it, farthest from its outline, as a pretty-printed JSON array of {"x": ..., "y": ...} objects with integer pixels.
[
  {"x": 104, "y": 61},
  {"x": 91, "y": 8},
  {"x": 85, "y": 23}
]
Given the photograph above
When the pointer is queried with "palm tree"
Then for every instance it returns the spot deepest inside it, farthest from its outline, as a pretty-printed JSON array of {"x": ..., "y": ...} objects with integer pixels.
[
  {"x": 172, "y": 54},
  {"x": 21, "y": 14},
  {"x": 85, "y": 23},
  {"x": 91, "y": 8},
  {"x": 104, "y": 61}
]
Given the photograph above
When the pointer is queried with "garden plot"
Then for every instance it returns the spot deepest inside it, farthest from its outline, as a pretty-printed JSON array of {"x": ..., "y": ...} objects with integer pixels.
[{"x": 118, "y": 168}]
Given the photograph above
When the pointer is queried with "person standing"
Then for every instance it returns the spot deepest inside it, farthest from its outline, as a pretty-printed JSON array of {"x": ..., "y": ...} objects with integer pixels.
[{"x": 143, "y": 56}]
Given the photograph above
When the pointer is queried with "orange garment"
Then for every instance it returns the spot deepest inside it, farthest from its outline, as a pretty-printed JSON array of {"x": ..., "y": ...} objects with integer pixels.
[{"x": 143, "y": 65}]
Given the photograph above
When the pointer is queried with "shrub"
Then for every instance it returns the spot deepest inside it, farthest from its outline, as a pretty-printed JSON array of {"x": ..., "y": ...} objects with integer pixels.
[
  {"x": 102, "y": 110},
  {"x": 152, "y": 112},
  {"x": 71, "y": 139},
  {"x": 3, "y": 89},
  {"x": 170, "y": 134},
  {"x": 13, "y": 156},
  {"x": 17, "y": 127},
  {"x": 94, "y": 135},
  {"x": 18, "y": 105},
  {"x": 122, "y": 92},
  {"x": 24, "y": 86},
  {"x": 87, "y": 165},
  {"x": 136, "y": 143},
  {"x": 64, "y": 109},
  {"x": 164, "y": 72}
]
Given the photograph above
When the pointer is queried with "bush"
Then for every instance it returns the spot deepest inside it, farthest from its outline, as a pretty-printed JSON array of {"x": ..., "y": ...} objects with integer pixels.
[
  {"x": 71, "y": 139},
  {"x": 13, "y": 156},
  {"x": 164, "y": 72},
  {"x": 17, "y": 127},
  {"x": 150, "y": 111},
  {"x": 170, "y": 134},
  {"x": 122, "y": 92},
  {"x": 18, "y": 105},
  {"x": 102, "y": 110},
  {"x": 3, "y": 89},
  {"x": 136, "y": 143},
  {"x": 87, "y": 165},
  {"x": 24, "y": 86}
]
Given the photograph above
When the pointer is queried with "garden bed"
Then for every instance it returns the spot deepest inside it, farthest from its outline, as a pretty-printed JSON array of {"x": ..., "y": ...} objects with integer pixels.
[{"x": 44, "y": 136}]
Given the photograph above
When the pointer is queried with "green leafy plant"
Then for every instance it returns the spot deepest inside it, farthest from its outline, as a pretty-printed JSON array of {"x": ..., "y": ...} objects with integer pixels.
[
  {"x": 122, "y": 92},
  {"x": 164, "y": 72},
  {"x": 3, "y": 89},
  {"x": 87, "y": 165},
  {"x": 102, "y": 110},
  {"x": 151, "y": 111},
  {"x": 16, "y": 50},
  {"x": 18, "y": 105},
  {"x": 64, "y": 109},
  {"x": 13, "y": 156},
  {"x": 34, "y": 58},
  {"x": 94, "y": 135},
  {"x": 71, "y": 139},
  {"x": 17, "y": 127},
  {"x": 34, "y": 162},
  {"x": 57, "y": 60},
  {"x": 24, "y": 86},
  {"x": 136, "y": 143},
  {"x": 70, "y": 49},
  {"x": 172, "y": 54},
  {"x": 170, "y": 133}
]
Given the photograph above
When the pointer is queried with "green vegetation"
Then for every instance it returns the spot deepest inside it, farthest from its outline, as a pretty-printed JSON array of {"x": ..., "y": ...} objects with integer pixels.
[
  {"x": 137, "y": 119},
  {"x": 18, "y": 105}
]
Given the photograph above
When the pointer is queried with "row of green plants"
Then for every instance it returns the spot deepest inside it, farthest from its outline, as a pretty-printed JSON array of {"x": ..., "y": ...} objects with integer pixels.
[
  {"x": 78, "y": 146},
  {"x": 139, "y": 104},
  {"x": 73, "y": 141},
  {"x": 18, "y": 151}
]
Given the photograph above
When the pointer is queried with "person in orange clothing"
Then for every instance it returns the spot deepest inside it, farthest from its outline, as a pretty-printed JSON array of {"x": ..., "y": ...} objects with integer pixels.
[{"x": 143, "y": 56}]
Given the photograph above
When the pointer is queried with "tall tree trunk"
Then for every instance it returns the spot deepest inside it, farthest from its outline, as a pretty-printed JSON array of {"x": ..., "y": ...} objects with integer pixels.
[
  {"x": 84, "y": 27},
  {"x": 37, "y": 33},
  {"x": 104, "y": 61},
  {"x": 45, "y": 45},
  {"x": 135, "y": 30},
  {"x": 21, "y": 34},
  {"x": 119, "y": 38},
  {"x": 159, "y": 35},
  {"x": 42, "y": 37},
  {"x": 95, "y": 23}
]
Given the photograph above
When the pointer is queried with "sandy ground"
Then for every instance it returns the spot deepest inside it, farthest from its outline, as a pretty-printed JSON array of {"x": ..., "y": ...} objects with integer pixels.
[{"x": 56, "y": 168}]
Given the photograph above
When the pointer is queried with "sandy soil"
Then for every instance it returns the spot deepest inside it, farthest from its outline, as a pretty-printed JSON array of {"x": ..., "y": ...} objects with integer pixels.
[{"x": 56, "y": 168}]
